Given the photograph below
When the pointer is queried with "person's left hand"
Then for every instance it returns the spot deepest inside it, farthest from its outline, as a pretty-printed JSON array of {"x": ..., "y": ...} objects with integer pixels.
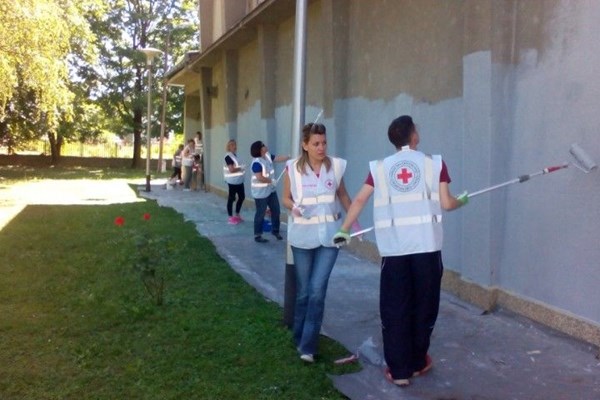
[
  {"x": 297, "y": 211},
  {"x": 463, "y": 198}
]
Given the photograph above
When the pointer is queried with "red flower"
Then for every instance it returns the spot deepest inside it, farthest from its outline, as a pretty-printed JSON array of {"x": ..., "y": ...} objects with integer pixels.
[
  {"x": 119, "y": 221},
  {"x": 146, "y": 216}
]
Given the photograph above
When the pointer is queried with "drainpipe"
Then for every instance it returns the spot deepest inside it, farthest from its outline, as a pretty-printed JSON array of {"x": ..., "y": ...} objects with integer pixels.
[{"x": 297, "y": 123}]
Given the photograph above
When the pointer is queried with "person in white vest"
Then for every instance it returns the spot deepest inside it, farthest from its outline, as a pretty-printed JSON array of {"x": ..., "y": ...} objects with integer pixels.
[
  {"x": 315, "y": 194},
  {"x": 177, "y": 164},
  {"x": 234, "y": 172},
  {"x": 187, "y": 160},
  {"x": 410, "y": 190},
  {"x": 262, "y": 186}
]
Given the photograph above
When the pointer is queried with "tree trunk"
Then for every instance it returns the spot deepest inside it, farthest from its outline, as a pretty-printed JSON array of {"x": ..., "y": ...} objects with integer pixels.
[
  {"x": 137, "y": 138},
  {"x": 56, "y": 142}
]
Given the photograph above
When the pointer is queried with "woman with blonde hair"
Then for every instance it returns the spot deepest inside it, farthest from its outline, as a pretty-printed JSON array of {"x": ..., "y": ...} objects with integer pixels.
[
  {"x": 234, "y": 172},
  {"x": 315, "y": 194}
]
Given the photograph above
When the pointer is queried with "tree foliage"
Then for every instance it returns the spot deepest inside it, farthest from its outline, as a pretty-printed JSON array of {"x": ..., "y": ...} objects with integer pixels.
[
  {"x": 127, "y": 27},
  {"x": 38, "y": 39},
  {"x": 70, "y": 69}
]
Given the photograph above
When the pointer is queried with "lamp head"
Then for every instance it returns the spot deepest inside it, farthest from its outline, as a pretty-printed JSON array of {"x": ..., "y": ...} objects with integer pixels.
[{"x": 150, "y": 53}]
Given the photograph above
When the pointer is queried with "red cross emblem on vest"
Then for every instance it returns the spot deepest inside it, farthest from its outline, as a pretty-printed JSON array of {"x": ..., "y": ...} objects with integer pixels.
[{"x": 405, "y": 175}]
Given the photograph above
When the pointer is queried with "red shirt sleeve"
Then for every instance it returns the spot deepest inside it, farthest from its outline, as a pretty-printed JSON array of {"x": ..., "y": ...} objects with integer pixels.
[
  {"x": 369, "y": 180},
  {"x": 444, "y": 176}
]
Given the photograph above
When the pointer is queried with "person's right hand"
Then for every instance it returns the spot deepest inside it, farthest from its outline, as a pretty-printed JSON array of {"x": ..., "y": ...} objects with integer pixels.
[{"x": 341, "y": 238}]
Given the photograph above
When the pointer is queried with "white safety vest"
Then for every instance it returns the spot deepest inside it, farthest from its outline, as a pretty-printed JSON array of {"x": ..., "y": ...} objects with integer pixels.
[
  {"x": 177, "y": 159},
  {"x": 317, "y": 197},
  {"x": 188, "y": 156},
  {"x": 406, "y": 207},
  {"x": 233, "y": 178},
  {"x": 259, "y": 189}
]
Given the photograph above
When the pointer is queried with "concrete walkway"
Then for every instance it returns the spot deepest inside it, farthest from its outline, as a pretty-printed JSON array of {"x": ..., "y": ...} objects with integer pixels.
[{"x": 497, "y": 356}]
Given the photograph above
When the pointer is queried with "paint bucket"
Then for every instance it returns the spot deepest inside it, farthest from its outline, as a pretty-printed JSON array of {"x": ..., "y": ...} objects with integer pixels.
[{"x": 266, "y": 225}]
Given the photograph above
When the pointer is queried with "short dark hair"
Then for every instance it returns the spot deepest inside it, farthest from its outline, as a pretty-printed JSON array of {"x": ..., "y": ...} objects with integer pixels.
[
  {"x": 255, "y": 148},
  {"x": 400, "y": 131}
]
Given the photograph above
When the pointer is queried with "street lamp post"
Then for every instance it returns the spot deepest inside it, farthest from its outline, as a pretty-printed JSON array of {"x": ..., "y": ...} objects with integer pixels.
[
  {"x": 164, "y": 106},
  {"x": 164, "y": 92},
  {"x": 150, "y": 54}
]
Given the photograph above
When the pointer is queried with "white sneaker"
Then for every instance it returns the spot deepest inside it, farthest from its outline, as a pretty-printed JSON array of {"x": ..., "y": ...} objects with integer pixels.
[{"x": 307, "y": 358}]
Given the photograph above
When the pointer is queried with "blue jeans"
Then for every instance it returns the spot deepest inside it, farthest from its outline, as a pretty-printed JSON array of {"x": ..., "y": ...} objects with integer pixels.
[
  {"x": 313, "y": 267},
  {"x": 261, "y": 206}
]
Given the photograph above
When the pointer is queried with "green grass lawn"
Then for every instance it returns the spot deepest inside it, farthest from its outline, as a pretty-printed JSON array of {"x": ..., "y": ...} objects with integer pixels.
[{"x": 76, "y": 322}]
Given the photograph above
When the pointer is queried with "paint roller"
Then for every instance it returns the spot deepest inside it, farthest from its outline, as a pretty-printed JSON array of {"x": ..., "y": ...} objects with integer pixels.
[{"x": 582, "y": 162}]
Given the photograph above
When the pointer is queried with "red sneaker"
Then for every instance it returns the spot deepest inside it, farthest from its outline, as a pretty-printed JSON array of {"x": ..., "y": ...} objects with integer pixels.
[
  {"x": 397, "y": 382},
  {"x": 428, "y": 366}
]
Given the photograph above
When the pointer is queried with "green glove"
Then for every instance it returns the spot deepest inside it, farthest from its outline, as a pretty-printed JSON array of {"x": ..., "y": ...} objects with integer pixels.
[
  {"x": 342, "y": 238},
  {"x": 463, "y": 198}
]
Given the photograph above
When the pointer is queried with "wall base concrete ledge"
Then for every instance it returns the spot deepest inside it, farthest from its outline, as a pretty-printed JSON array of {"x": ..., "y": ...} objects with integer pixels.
[{"x": 490, "y": 298}]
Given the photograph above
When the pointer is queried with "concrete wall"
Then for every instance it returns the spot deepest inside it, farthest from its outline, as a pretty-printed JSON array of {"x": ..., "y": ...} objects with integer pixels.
[{"x": 500, "y": 88}]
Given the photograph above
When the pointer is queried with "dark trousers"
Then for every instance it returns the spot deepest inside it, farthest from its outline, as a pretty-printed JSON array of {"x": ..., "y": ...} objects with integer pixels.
[
  {"x": 261, "y": 207},
  {"x": 409, "y": 303},
  {"x": 241, "y": 195},
  {"x": 176, "y": 173}
]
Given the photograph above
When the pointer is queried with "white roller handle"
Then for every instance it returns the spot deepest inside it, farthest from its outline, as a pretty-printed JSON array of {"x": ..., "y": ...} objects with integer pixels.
[
  {"x": 278, "y": 178},
  {"x": 353, "y": 234}
]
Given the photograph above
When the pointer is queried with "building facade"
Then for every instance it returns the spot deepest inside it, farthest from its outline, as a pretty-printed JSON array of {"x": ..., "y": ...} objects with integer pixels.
[{"x": 500, "y": 88}]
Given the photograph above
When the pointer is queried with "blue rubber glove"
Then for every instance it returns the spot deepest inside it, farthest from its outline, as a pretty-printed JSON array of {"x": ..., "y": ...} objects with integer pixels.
[
  {"x": 341, "y": 238},
  {"x": 463, "y": 198}
]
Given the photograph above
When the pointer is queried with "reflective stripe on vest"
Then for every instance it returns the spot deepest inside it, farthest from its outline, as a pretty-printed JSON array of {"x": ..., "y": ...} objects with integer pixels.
[
  {"x": 261, "y": 190},
  {"x": 177, "y": 160},
  {"x": 407, "y": 212},
  {"x": 317, "y": 195},
  {"x": 233, "y": 178}
]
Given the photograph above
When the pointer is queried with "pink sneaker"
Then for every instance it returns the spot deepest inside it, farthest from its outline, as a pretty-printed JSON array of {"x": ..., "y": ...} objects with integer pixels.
[
  {"x": 232, "y": 221},
  {"x": 239, "y": 218}
]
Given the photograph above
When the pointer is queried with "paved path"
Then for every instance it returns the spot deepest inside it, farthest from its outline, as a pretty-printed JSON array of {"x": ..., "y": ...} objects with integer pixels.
[{"x": 497, "y": 356}]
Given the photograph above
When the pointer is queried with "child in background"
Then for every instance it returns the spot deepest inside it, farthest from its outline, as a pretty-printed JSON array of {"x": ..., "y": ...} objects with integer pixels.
[
  {"x": 196, "y": 172},
  {"x": 177, "y": 165}
]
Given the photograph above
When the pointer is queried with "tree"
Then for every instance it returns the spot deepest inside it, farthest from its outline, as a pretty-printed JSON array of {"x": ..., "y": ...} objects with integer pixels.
[
  {"x": 38, "y": 38},
  {"x": 127, "y": 27}
]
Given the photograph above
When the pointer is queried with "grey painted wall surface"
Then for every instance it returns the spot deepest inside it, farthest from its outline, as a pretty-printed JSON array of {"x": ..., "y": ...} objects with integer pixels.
[{"x": 499, "y": 88}]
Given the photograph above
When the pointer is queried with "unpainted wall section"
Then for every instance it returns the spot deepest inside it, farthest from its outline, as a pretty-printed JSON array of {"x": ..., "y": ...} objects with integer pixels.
[
  {"x": 412, "y": 47},
  {"x": 285, "y": 63},
  {"x": 248, "y": 77}
]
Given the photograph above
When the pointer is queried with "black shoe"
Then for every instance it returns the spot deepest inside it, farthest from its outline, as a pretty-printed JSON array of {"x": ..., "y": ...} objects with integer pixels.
[
  {"x": 278, "y": 236},
  {"x": 260, "y": 239}
]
